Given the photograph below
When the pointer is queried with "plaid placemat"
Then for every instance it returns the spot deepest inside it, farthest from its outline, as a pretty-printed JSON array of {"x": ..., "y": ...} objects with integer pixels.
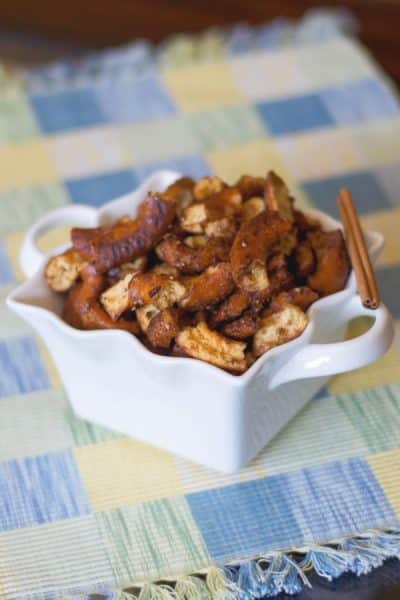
[{"x": 85, "y": 510}]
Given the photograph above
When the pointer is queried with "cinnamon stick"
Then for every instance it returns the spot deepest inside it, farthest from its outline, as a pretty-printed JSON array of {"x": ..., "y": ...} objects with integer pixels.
[{"x": 362, "y": 266}]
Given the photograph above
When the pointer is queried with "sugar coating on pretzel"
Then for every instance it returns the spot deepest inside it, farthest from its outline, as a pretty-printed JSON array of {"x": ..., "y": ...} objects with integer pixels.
[
  {"x": 193, "y": 255},
  {"x": 251, "y": 247},
  {"x": 243, "y": 327},
  {"x": 123, "y": 242},
  {"x": 81, "y": 237},
  {"x": 208, "y": 288},
  {"x": 231, "y": 308},
  {"x": 278, "y": 328},
  {"x": 301, "y": 296},
  {"x": 205, "y": 344},
  {"x": 164, "y": 327},
  {"x": 280, "y": 276},
  {"x": 63, "y": 270}
]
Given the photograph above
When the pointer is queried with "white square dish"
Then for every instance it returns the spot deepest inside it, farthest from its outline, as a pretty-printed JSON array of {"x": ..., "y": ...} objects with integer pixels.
[{"x": 183, "y": 405}]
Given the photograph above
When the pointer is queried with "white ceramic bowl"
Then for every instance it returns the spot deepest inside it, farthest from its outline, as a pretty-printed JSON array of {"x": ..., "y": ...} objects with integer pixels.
[{"x": 184, "y": 405}]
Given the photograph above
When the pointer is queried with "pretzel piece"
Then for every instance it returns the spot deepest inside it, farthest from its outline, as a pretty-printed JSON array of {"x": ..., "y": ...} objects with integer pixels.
[
  {"x": 181, "y": 192},
  {"x": 63, "y": 270},
  {"x": 207, "y": 186},
  {"x": 304, "y": 259},
  {"x": 123, "y": 242},
  {"x": 301, "y": 296},
  {"x": 133, "y": 267},
  {"x": 115, "y": 299},
  {"x": 82, "y": 237},
  {"x": 231, "y": 308},
  {"x": 278, "y": 271},
  {"x": 280, "y": 279},
  {"x": 304, "y": 223},
  {"x": 145, "y": 314},
  {"x": 193, "y": 218},
  {"x": 205, "y": 344},
  {"x": 250, "y": 186},
  {"x": 209, "y": 288},
  {"x": 251, "y": 247},
  {"x": 277, "y": 197},
  {"x": 243, "y": 327},
  {"x": 164, "y": 327},
  {"x": 83, "y": 310},
  {"x": 150, "y": 288},
  {"x": 193, "y": 255},
  {"x": 165, "y": 269},
  {"x": 251, "y": 208},
  {"x": 279, "y": 328},
  {"x": 224, "y": 228},
  {"x": 333, "y": 265},
  {"x": 225, "y": 203}
]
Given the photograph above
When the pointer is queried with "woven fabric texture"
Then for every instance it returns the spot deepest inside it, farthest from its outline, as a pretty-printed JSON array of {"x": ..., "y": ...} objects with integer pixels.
[{"x": 85, "y": 509}]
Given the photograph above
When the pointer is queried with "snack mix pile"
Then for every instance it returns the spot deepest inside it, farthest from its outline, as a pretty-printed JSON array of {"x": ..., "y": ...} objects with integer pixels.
[{"x": 205, "y": 270}]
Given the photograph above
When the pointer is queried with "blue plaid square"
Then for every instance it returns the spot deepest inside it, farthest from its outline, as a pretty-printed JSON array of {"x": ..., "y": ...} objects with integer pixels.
[
  {"x": 138, "y": 99},
  {"x": 360, "y": 101},
  {"x": 294, "y": 114},
  {"x": 365, "y": 188},
  {"x": 320, "y": 502},
  {"x": 192, "y": 166},
  {"x": 69, "y": 109},
  {"x": 6, "y": 274},
  {"x": 337, "y": 498},
  {"x": 98, "y": 189},
  {"x": 389, "y": 286},
  {"x": 21, "y": 368},
  {"x": 41, "y": 489},
  {"x": 245, "y": 519}
]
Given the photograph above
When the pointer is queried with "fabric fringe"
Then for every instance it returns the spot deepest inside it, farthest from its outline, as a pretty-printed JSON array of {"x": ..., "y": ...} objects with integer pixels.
[{"x": 269, "y": 574}]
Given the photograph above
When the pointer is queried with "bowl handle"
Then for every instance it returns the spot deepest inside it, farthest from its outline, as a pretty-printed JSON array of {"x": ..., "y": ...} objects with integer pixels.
[
  {"x": 317, "y": 360},
  {"x": 30, "y": 257}
]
